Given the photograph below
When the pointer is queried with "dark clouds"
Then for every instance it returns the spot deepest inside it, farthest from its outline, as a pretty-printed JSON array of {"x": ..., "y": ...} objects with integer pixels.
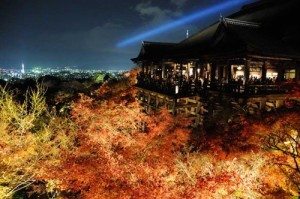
[
  {"x": 85, "y": 32},
  {"x": 156, "y": 15},
  {"x": 179, "y": 3}
]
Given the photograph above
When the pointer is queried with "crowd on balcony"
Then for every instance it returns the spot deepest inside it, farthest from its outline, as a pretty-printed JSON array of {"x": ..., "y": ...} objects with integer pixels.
[{"x": 182, "y": 85}]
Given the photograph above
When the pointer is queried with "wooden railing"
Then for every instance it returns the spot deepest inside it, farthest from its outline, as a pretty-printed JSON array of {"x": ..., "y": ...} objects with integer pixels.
[{"x": 192, "y": 88}]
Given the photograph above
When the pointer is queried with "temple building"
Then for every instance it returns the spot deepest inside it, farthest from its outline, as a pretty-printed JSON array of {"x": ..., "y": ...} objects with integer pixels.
[{"x": 251, "y": 56}]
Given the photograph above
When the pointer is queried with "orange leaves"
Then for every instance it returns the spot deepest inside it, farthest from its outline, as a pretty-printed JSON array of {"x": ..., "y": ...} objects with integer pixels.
[
  {"x": 123, "y": 153},
  {"x": 114, "y": 157}
]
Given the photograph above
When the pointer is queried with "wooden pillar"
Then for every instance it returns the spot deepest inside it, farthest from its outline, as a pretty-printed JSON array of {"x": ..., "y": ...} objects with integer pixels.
[
  {"x": 264, "y": 72},
  {"x": 198, "y": 114},
  {"x": 202, "y": 71},
  {"x": 247, "y": 71},
  {"x": 229, "y": 74},
  {"x": 147, "y": 69},
  {"x": 262, "y": 103},
  {"x": 281, "y": 71},
  {"x": 180, "y": 69},
  {"x": 281, "y": 74},
  {"x": 197, "y": 67},
  {"x": 225, "y": 72},
  {"x": 151, "y": 69},
  {"x": 213, "y": 72},
  {"x": 181, "y": 75},
  {"x": 156, "y": 101},
  {"x": 297, "y": 68},
  {"x": 163, "y": 71},
  {"x": 143, "y": 68},
  {"x": 188, "y": 70},
  {"x": 220, "y": 72},
  {"x": 174, "y": 106},
  {"x": 175, "y": 66},
  {"x": 148, "y": 102}
]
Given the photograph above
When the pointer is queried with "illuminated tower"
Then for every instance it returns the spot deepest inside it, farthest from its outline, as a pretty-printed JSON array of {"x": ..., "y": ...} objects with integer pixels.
[
  {"x": 187, "y": 34},
  {"x": 23, "y": 68}
]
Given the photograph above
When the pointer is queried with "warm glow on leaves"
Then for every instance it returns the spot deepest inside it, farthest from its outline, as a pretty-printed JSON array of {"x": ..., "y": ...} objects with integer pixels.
[
  {"x": 30, "y": 138},
  {"x": 110, "y": 148}
]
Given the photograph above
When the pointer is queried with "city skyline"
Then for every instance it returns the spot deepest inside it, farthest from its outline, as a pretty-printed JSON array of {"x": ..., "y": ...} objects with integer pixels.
[
  {"x": 78, "y": 33},
  {"x": 18, "y": 67}
]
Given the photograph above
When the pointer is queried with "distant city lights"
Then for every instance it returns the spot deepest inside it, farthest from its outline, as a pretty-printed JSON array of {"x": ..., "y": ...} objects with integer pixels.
[{"x": 63, "y": 72}]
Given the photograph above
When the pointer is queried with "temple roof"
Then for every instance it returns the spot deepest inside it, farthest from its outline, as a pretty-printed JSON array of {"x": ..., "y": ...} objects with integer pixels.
[
  {"x": 236, "y": 36},
  {"x": 253, "y": 30},
  {"x": 154, "y": 50},
  {"x": 252, "y": 40}
]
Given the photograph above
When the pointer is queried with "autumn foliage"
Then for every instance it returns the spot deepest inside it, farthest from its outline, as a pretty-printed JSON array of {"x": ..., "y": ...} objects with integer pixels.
[
  {"x": 110, "y": 148},
  {"x": 121, "y": 151},
  {"x": 31, "y": 136}
]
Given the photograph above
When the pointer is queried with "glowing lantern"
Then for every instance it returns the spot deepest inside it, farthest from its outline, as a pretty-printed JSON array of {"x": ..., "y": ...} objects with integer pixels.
[
  {"x": 176, "y": 89},
  {"x": 191, "y": 72}
]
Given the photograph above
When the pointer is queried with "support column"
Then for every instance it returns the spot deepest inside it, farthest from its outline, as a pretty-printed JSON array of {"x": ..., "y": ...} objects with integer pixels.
[
  {"x": 202, "y": 71},
  {"x": 197, "y": 68},
  {"x": 264, "y": 72},
  {"x": 229, "y": 74},
  {"x": 174, "y": 106},
  {"x": 181, "y": 75},
  {"x": 297, "y": 68},
  {"x": 148, "y": 102},
  {"x": 281, "y": 73},
  {"x": 247, "y": 71},
  {"x": 262, "y": 103},
  {"x": 213, "y": 73},
  {"x": 155, "y": 70},
  {"x": 181, "y": 69},
  {"x": 156, "y": 101},
  {"x": 220, "y": 72},
  {"x": 152, "y": 69},
  {"x": 163, "y": 71},
  {"x": 198, "y": 120},
  {"x": 188, "y": 70},
  {"x": 143, "y": 68},
  {"x": 147, "y": 69}
]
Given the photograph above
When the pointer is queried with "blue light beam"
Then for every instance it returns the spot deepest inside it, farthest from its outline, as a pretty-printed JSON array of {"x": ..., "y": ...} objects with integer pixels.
[{"x": 189, "y": 18}]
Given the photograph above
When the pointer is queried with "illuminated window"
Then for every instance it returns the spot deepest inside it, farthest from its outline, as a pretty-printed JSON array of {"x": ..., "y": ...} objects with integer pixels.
[
  {"x": 255, "y": 71},
  {"x": 272, "y": 73},
  {"x": 238, "y": 71},
  {"x": 290, "y": 74}
]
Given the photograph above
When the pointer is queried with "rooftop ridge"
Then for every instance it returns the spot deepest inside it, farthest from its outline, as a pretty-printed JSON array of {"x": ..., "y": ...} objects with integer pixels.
[
  {"x": 157, "y": 43},
  {"x": 240, "y": 22}
]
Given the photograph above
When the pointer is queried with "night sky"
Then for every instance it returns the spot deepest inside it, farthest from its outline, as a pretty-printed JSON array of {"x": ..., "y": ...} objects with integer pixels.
[{"x": 85, "y": 33}]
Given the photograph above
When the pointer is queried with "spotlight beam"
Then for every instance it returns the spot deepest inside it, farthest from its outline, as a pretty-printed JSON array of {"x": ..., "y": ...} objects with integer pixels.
[{"x": 189, "y": 18}]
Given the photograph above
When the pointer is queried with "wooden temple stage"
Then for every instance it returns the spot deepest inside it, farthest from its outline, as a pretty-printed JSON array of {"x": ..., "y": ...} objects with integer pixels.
[{"x": 242, "y": 59}]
